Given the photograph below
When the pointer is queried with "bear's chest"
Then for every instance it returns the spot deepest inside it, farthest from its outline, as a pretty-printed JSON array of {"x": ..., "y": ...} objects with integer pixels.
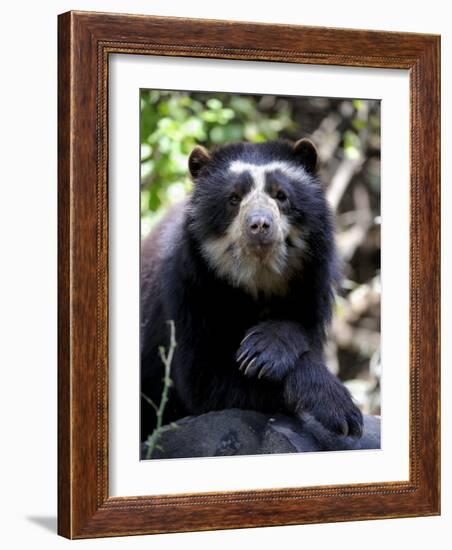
[{"x": 227, "y": 318}]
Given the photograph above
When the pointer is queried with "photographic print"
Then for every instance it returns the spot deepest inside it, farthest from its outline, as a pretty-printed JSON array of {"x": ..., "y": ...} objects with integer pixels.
[
  {"x": 260, "y": 274},
  {"x": 251, "y": 352}
]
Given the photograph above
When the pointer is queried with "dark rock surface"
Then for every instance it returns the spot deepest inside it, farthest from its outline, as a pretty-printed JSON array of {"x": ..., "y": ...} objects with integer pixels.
[{"x": 237, "y": 432}]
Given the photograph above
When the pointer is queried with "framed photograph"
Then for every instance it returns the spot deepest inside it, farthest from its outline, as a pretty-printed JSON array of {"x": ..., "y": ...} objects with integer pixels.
[{"x": 248, "y": 275}]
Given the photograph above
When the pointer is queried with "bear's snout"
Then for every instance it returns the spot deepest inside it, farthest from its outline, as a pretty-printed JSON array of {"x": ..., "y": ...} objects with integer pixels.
[{"x": 260, "y": 227}]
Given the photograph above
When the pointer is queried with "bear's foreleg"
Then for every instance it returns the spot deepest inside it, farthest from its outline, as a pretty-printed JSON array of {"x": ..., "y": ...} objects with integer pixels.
[{"x": 312, "y": 388}]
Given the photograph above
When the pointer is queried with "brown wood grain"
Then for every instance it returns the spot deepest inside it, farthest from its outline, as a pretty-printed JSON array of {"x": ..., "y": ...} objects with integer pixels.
[
  {"x": 64, "y": 295},
  {"x": 85, "y": 42}
]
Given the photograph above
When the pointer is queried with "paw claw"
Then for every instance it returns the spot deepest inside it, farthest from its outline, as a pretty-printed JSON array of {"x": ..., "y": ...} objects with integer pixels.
[
  {"x": 246, "y": 362},
  {"x": 356, "y": 426},
  {"x": 249, "y": 366},
  {"x": 344, "y": 429},
  {"x": 246, "y": 337},
  {"x": 265, "y": 371}
]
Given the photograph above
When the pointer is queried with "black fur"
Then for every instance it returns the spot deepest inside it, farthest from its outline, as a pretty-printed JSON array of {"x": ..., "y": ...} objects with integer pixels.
[{"x": 220, "y": 329}]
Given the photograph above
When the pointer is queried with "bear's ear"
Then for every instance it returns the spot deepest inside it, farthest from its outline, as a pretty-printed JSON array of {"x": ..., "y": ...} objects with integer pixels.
[
  {"x": 198, "y": 158},
  {"x": 306, "y": 153}
]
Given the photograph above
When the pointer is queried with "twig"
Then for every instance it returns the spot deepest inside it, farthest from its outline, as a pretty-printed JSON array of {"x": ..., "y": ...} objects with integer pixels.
[
  {"x": 341, "y": 179},
  {"x": 149, "y": 400},
  {"x": 167, "y": 360},
  {"x": 350, "y": 239}
]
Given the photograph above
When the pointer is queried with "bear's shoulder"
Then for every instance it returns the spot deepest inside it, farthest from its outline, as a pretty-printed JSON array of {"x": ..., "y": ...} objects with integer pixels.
[{"x": 163, "y": 239}]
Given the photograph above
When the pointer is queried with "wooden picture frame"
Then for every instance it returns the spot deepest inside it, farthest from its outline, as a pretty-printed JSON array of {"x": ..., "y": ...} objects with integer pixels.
[{"x": 85, "y": 42}]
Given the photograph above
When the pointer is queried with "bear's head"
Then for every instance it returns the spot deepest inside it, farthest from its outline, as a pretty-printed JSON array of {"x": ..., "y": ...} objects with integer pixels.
[{"x": 257, "y": 211}]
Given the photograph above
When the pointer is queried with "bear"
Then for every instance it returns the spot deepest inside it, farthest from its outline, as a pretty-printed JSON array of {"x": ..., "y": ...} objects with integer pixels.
[{"x": 246, "y": 268}]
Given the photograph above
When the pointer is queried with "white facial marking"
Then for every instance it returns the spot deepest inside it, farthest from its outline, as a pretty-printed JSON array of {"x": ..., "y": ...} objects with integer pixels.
[
  {"x": 258, "y": 171},
  {"x": 231, "y": 256}
]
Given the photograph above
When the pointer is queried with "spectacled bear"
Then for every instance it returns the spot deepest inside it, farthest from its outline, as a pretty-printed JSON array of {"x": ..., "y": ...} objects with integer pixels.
[{"x": 246, "y": 268}]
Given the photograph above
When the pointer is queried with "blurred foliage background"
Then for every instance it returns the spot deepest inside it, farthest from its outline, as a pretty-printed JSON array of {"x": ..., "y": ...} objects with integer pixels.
[{"x": 347, "y": 135}]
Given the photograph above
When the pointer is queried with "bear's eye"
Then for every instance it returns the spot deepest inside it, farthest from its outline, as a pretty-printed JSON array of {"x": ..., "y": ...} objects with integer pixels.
[
  {"x": 234, "y": 199},
  {"x": 281, "y": 196}
]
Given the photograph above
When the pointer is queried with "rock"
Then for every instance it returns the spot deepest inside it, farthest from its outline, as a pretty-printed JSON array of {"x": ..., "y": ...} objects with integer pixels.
[{"x": 240, "y": 432}]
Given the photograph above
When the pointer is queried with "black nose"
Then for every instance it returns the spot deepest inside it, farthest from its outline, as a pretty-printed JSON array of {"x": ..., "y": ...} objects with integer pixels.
[{"x": 260, "y": 225}]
